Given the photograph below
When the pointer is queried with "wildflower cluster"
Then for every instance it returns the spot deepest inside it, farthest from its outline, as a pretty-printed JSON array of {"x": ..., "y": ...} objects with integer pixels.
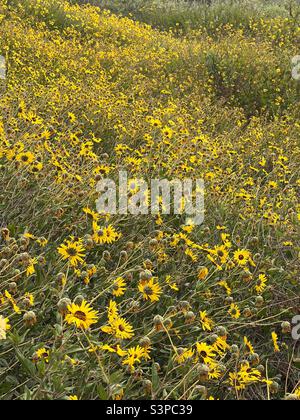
[{"x": 102, "y": 306}]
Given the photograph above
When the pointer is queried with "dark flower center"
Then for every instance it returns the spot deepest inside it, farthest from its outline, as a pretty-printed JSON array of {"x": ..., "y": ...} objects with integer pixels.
[
  {"x": 72, "y": 252},
  {"x": 148, "y": 290},
  {"x": 80, "y": 315}
]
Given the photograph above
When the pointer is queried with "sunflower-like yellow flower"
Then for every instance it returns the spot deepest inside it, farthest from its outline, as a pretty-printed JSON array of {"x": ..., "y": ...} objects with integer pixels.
[
  {"x": 43, "y": 354},
  {"x": 206, "y": 323},
  {"x": 150, "y": 290},
  {"x": 205, "y": 353},
  {"x": 234, "y": 311},
  {"x": 26, "y": 158},
  {"x": 275, "y": 342},
  {"x": 244, "y": 377},
  {"x": 117, "y": 326},
  {"x": 120, "y": 328},
  {"x": 261, "y": 283},
  {"x": 134, "y": 355},
  {"x": 73, "y": 398},
  {"x": 4, "y": 327},
  {"x": 73, "y": 251},
  {"x": 185, "y": 355},
  {"x": 242, "y": 257},
  {"x": 119, "y": 287},
  {"x": 105, "y": 235},
  {"x": 83, "y": 316},
  {"x": 203, "y": 273}
]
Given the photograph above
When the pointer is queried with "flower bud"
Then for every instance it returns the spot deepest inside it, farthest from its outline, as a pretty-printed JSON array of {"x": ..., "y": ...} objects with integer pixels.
[
  {"x": 234, "y": 349},
  {"x": 286, "y": 327},
  {"x": 189, "y": 317},
  {"x": 158, "y": 322},
  {"x": 129, "y": 246},
  {"x": 203, "y": 371},
  {"x": 229, "y": 300},
  {"x": 201, "y": 390},
  {"x": 274, "y": 387},
  {"x": 254, "y": 359},
  {"x": 63, "y": 306},
  {"x": 221, "y": 331},
  {"x": 124, "y": 255},
  {"x": 145, "y": 342},
  {"x": 259, "y": 301},
  {"x": 29, "y": 319},
  {"x": 247, "y": 313},
  {"x": 147, "y": 386},
  {"x": 13, "y": 288}
]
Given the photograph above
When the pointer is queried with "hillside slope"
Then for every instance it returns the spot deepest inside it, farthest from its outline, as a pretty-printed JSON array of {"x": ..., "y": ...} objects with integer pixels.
[{"x": 175, "y": 311}]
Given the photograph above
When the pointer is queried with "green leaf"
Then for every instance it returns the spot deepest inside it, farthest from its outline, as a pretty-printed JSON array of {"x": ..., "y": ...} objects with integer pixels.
[
  {"x": 102, "y": 394},
  {"x": 28, "y": 366}
]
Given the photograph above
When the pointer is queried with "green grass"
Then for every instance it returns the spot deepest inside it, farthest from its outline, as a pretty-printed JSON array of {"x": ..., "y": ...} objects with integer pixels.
[{"x": 188, "y": 15}]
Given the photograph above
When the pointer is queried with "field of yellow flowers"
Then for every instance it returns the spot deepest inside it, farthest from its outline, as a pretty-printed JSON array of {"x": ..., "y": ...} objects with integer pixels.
[{"x": 114, "y": 307}]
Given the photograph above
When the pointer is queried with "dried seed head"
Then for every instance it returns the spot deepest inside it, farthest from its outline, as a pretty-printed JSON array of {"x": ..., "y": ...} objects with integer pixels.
[
  {"x": 147, "y": 386},
  {"x": 30, "y": 319},
  {"x": 63, "y": 306},
  {"x": 221, "y": 331},
  {"x": 61, "y": 278},
  {"x": 153, "y": 243},
  {"x": 158, "y": 322},
  {"x": 26, "y": 303},
  {"x": 25, "y": 258},
  {"x": 13, "y": 288},
  {"x": 201, "y": 390},
  {"x": 261, "y": 368},
  {"x": 254, "y": 359},
  {"x": 145, "y": 342},
  {"x": 259, "y": 301},
  {"x": 234, "y": 349},
  {"x": 128, "y": 276},
  {"x": 229, "y": 300},
  {"x": 247, "y": 313},
  {"x": 41, "y": 260},
  {"x": 189, "y": 317},
  {"x": 133, "y": 306},
  {"x": 148, "y": 264},
  {"x": 88, "y": 242},
  {"x": 5, "y": 233},
  {"x": 274, "y": 387},
  {"x": 286, "y": 327},
  {"x": 17, "y": 274},
  {"x": 203, "y": 371},
  {"x": 212, "y": 338},
  {"x": 157, "y": 366},
  {"x": 129, "y": 246},
  {"x": 124, "y": 255},
  {"x": 24, "y": 242},
  {"x": 184, "y": 305}
]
